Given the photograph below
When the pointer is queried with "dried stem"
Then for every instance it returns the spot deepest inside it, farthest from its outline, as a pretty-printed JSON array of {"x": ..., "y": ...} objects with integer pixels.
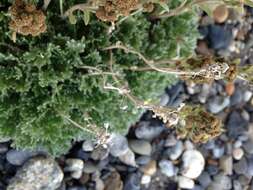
[{"x": 81, "y": 7}]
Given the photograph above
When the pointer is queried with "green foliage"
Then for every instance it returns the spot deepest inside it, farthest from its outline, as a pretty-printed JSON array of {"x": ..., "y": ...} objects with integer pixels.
[{"x": 45, "y": 83}]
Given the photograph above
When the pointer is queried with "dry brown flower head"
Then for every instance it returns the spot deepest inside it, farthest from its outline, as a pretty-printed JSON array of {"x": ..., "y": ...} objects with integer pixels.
[{"x": 26, "y": 19}]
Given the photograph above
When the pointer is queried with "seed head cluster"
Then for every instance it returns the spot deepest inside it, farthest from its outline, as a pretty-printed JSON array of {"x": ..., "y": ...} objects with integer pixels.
[{"x": 26, "y": 19}]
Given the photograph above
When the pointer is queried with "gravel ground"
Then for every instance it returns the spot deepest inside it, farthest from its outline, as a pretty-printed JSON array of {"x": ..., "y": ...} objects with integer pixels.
[{"x": 151, "y": 157}]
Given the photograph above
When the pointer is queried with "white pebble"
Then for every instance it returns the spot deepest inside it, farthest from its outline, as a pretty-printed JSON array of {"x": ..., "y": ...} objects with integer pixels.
[
  {"x": 193, "y": 163},
  {"x": 238, "y": 153},
  {"x": 185, "y": 183}
]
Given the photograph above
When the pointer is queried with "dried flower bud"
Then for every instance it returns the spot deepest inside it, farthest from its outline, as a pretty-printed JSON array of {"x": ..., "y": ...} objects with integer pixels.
[
  {"x": 200, "y": 126},
  {"x": 25, "y": 19}
]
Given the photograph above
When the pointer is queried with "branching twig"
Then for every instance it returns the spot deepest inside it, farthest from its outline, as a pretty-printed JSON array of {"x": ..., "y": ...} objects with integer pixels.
[{"x": 81, "y": 7}]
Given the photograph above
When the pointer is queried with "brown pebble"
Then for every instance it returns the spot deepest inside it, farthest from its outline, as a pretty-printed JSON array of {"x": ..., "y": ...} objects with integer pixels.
[
  {"x": 220, "y": 13},
  {"x": 230, "y": 88},
  {"x": 150, "y": 168}
]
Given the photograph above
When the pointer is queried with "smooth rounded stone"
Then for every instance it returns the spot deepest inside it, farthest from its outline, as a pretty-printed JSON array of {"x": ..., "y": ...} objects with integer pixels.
[
  {"x": 250, "y": 166},
  {"x": 189, "y": 145},
  {"x": 236, "y": 98},
  {"x": 3, "y": 148},
  {"x": 212, "y": 169},
  {"x": 223, "y": 180},
  {"x": 88, "y": 146},
  {"x": 204, "y": 179},
  {"x": 117, "y": 145},
  {"x": 229, "y": 148},
  {"x": 226, "y": 164},
  {"x": 236, "y": 125},
  {"x": 176, "y": 151},
  {"x": 113, "y": 181},
  {"x": 75, "y": 166},
  {"x": 185, "y": 183},
  {"x": 241, "y": 167},
  {"x": 150, "y": 169},
  {"x": 164, "y": 100},
  {"x": 90, "y": 168},
  {"x": 217, "y": 103},
  {"x": 167, "y": 168},
  {"x": 143, "y": 160},
  {"x": 170, "y": 141},
  {"x": 247, "y": 96},
  {"x": 132, "y": 182},
  {"x": 100, "y": 153},
  {"x": 141, "y": 147},
  {"x": 209, "y": 145},
  {"x": 18, "y": 157},
  {"x": 248, "y": 147},
  {"x": 203, "y": 95},
  {"x": 237, "y": 144},
  {"x": 244, "y": 180},
  {"x": 245, "y": 115},
  {"x": 243, "y": 137},
  {"x": 37, "y": 174},
  {"x": 193, "y": 163},
  {"x": 237, "y": 185},
  {"x": 238, "y": 153},
  {"x": 128, "y": 158},
  {"x": 147, "y": 131},
  {"x": 145, "y": 179}
]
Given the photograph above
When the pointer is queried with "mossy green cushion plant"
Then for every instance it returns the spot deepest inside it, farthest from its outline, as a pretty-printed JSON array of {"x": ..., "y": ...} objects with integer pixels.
[{"x": 47, "y": 88}]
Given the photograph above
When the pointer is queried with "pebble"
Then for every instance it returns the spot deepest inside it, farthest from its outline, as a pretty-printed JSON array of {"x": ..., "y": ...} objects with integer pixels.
[
  {"x": 145, "y": 179},
  {"x": 204, "y": 179},
  {"x": 189, "y": 145},
  {"x": 219, "y": 36},
  {"x": 217, "y": 104},
  {"x": 218, "y": 151},
  {"x": 128, "y": 158},
  {"x": 88, "y": 146},
  {"x": 247, "y": 96},
  {"x": 3, "y": 148},
  {"x": 236, "y": 98},
  {"x": 143, "y": 160},
  {"x": 100, "y": 153},
  {"x": 248, "y": 147},
  {"x": 220, "y": 13},
  {"x": 203, "y": 95},
  {"x": 132, "y": 182},
  {"x": 237, "y": 185},
  {"x": 250, "y": 166},
  {"x": 226, "y": 164},
  {"x": 75, "y": 166},
  {"x": 164, "y": 100},
  {"x": 237, "y": 144},
  {"x": 89, "y": 168},
  {"x": 149, "y": 169},
  {"x": 141, "y": 147},
  {"x": 238, "y": 153},
  {"x": 224, "y": 181},
  {"x": 113, "y": 182},
  {"x": 117, "y": 145},
  {"x": 170, "y": 141},
  {"x": 176, "y": 150},
  {"x": 167, "y": 168},
  {"x": 37, "y": 174},
  {"x": 147, "y": 131},
  {"x": 185, "y": 183},
  {"x": 241, "y": 167},
  {"x": 193, "y": 163},
  {"x": 18, "y": 157}
]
